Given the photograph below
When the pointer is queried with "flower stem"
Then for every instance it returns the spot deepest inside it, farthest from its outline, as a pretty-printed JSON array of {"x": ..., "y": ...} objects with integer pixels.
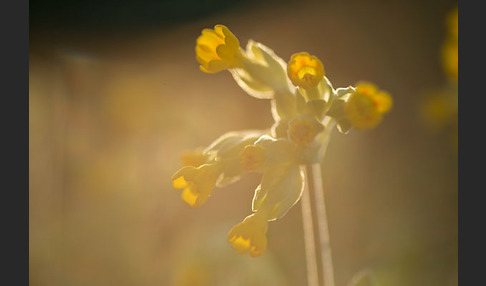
[
  {"x": 309, "y": 243},
  {"x": 324, "y": 241},
  {"x": 314, "y": 191}
]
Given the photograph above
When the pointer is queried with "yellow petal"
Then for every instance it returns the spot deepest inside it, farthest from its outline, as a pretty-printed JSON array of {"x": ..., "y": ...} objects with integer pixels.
[
  {"x": 179, "y": 183},
  {"x": 240, "y": 244},
  {"x": 217, "y": 50},
  {"x": 190, "y": 197},
  {"x": 188, "y": 172},
  {"x": 365, "y": 87},
  {"x": 258, "y": 244},
  {"x": 249, "y": 235},
  {"x": 383, "y": 102}
]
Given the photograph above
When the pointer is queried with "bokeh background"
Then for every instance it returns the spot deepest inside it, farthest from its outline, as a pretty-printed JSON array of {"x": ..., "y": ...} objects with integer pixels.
[{"x": 115, "y": 95}]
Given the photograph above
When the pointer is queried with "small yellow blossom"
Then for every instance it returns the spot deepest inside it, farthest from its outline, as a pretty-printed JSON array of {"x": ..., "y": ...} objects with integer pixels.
[
  {"x": 366, "y": 106},
  {"x": 250, "y": 235},
  {"x": 304, "y": 70},
  {"x": 226, "y": 151},
  {"x": 302, "y": 130},
  {"x": 196, "y": 183},
  {"x": 217, "y": 49}
]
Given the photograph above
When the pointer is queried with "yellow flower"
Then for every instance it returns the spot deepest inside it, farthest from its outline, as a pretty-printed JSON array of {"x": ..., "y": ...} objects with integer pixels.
[
  {"x": 196, "y": 183},
  {"x": 217, "y": 50},
  {"x": 304, "y": 70},
  {"x": 250, "y": 235},
  {"x": 227, "y": 150},
  {"x": 366, "y": 106},
  {"x": 215, "y": 166}
]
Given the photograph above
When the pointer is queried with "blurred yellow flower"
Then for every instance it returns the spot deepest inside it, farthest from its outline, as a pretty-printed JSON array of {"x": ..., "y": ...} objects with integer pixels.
[
  {"x": 439, "y": 106},
  {"x": 366, "y": 106},
  {"x": 450, "y": 48},
  {"x": 438, "y": 109},
  {"x": 217, "y": 49},
  {"x": 450, "y": 59}
]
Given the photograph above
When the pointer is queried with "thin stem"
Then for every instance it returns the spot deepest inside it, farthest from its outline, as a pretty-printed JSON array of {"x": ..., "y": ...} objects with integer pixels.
[
  {"x": 310, "y": 250},
  {"x": 327, "y": 264},
  {"x": 314, "y": 185}
]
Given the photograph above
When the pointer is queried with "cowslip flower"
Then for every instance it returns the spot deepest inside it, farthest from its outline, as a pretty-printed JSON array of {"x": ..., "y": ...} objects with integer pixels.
[
  {"x": 217, "y": 49},
  {"x": 249, "y": 235},
  {"x": 366, "y": 106},
  {"x": 305, "y": 108},
  {"x": 197, "y": 183},
  {"x": 304, "y": 70}
]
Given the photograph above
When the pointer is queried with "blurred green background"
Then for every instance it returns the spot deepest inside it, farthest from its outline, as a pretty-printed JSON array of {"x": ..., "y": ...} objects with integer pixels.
[{"x": 115, "y": 95}]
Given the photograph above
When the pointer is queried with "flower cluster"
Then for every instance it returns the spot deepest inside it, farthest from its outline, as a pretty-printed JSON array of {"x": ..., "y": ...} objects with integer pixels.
[{"x": 305, "y": 108}]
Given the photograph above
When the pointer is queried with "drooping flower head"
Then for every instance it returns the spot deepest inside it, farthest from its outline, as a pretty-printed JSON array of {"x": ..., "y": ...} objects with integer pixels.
[
  {"x": 217, "y": 49},
  {"x": 305, "y": 107},
  {"x": 217, "y": 165},
  {"x": 196, "y": 183},
  {"x": 249, "y": 235}
]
